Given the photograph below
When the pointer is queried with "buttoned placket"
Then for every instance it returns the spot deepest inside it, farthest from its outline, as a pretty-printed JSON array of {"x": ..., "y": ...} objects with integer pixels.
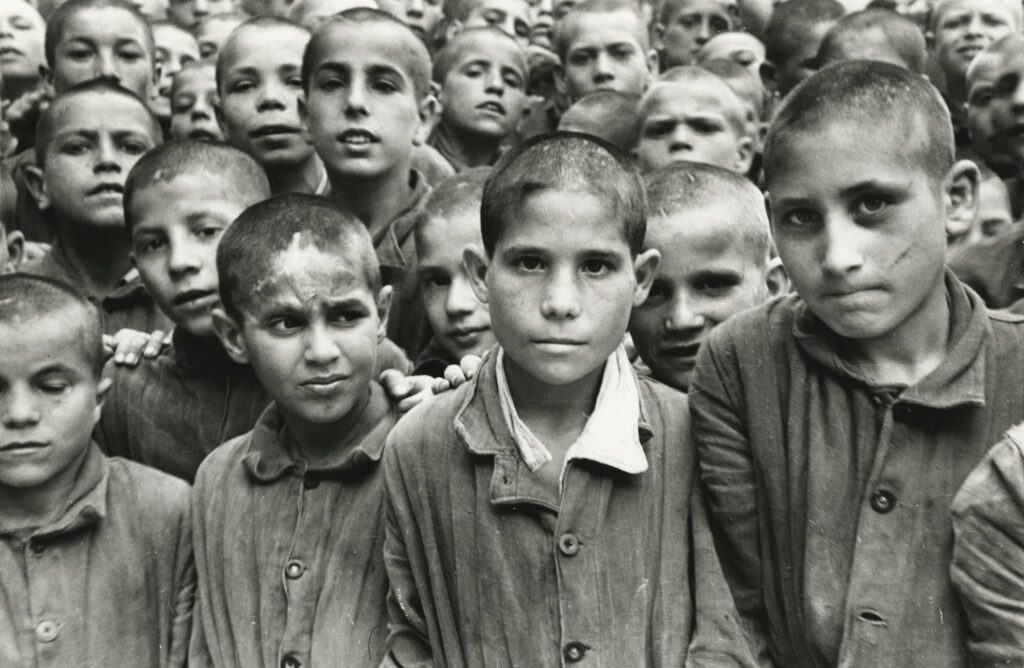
[
  {"x": 298, "y": 582},
  {"x": 46, "y": 600}
]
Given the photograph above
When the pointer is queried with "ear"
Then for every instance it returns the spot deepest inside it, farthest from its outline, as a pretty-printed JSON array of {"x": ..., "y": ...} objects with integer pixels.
[
  {"x": 303, "y": 118},
  {"x": 451, "y": 29},
  {"x": 776, "y": 278},
  {"x": 430, "y": 114},
  {"x": 46, "y": 75},
  {"x": 15, "y": 252},
  {"x": 961, "y": 195},
  {"x": 768, "y": 73},
  {"x": 645, "y": 268},
  {"x": 559, "y": 74},
  {"x": 383, "y": 311},
  {"x": 744, "y": 155},
  {"x": 653, "y": 61},
  {"x": 658, "y": 37},
  {"x": 230, "y": 335},
  {"x": 101, "y": 397},
  {"x": 35, "y": 181},
  {"x": 475, "y": 262}
]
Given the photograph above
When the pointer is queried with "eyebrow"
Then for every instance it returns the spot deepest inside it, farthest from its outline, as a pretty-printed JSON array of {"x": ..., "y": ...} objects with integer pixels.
[
  {"x": 375, "y": 69},
  {"x": 55, "y": 367},
  {"x": 873, "y": 185}
]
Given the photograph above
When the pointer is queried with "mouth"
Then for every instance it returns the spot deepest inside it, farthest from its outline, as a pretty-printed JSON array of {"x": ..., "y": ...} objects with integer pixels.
[
  {"x": 324, "y": 385},
  {"x": 192, "y": 297},
  {"x": 358, "y": 137},
  {"x": 22, "y": 448},
  {"x": 203, "y": 135},
  {"x": 558, "y": 344},
  {"x": 9, "y": 51},
  {"x": 107, "y": 189},
  {"x": 969, "y": 51},
  {"x": 493, "y": 107},
  {"x": 681, "y": 351},
  {"x": 273, "y": 131},
  {"x": 466, "y": 335}
]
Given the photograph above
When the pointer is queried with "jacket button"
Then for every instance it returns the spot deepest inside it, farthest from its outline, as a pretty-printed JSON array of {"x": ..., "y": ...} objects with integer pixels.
[
  {"x": 883, "y": 501},
  {"x": 568, "y": 544},
  {"x": 293, "y": 569},
  {"x": 574, "y": 651},
  {"x": 46, "y": 631},
  {"x": 289, "y": 661}
]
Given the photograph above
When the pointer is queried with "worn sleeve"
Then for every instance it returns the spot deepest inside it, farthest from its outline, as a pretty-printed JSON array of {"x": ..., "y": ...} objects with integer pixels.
[
  {"x": 988, "y": 554},
  {"x": 184, "y": 595},
  {"x": 408, "y": 640},
  {"x": 199, "y": 654},
  {"x": 727, "y": 477}
]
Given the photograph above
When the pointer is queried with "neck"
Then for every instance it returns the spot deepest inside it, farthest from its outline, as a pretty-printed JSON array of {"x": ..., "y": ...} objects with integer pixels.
[
  {"x": 470, "y": 149},
  {"x": 102, "y": 255},
  {"x": 956, "y": 90},
  {"x": 13, "y": 88},
  {"x": 302, "y": 178},
  {"x": 553, "y": 408},
  {"x": 38, "y": 506},
  {"x": 323, "y": 443},
  {"x": 376, "y": 201},
  {"x": 908, "y": 354}
]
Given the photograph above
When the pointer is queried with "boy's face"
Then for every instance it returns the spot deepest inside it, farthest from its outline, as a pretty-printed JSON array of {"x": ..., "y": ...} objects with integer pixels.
[
  {"x": 802, "y": 60},
  {"x": 106, "y": 42},
  {"x": 485, "y": 91},
  {"x": 259, "y": 95},
  {"x": 604, "y": 54},
  {"x": 422, "y": 16},
  {"x": 50, "y": 400},
  {"x": 175, "y": 48},
  {"x": 363, "y": 110},
  {"x": 510, "y": 16},
  {"x": 739, "y": 47},
  {"x": 311, "y": 335},
  {"x": 188, "y": 13},
  {"x": 704, "y": 277},
  {"x": 560, "y": 294},
  {"x": 97, "y": 138},
  {"x": 174, "y": 244},
  {"x": 870, "y": 44},
  {"x": 21, "y": 40},
  {"x": 964, "y": 28},
  {"x": 691, "y": 121},
  {"x": 692, "y": 26},
  {"x": 266, "y": 7},
  {"x": 995, "y": 216},
  {"x": 1008, "y": 105},
  {"x": 212, "y": 36},
  {"x": 193, "y": 105},
  {"x": 980, "y": 94},
  {"x": 460, "y": 322},
  {"x": 860, "y": 224}
]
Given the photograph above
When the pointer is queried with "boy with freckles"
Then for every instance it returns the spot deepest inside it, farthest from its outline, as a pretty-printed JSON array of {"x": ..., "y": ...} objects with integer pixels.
[
  {"x": 834, "y": 425},
  {"x": 368, "y": 105},
  {"x": 480, "y": 77},
  {"x": 541, "y": 513},
  {"x": 289, "y": 518}
]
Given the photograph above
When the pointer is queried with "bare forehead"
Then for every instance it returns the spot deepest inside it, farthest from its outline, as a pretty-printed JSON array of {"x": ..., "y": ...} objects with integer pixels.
[
  {"x": 490, "y": 47},
  {"x": 378, "y": 43},
  {"x": 695, "y": 94},
  {"x": 22, "y": 9},
  {"x": 589, "y": 29},
  {"x": 279, "y": 44},
  {"x": 104, "y": 24},
  {"x": 101, "y": 111}
]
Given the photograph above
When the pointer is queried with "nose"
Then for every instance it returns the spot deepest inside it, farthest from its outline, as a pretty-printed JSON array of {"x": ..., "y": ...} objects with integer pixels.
[
  {"x": 107, "y": 156},
  {"x": 682, "y": 139},
  {"x": 461, "y": 300},
  {"x": 272, "y": 98},
  {"x": 414, "y": 9},
  {"x": 355, "y": 102},
  {"x": 975, "y": 25},
  {"x": 20, "y": 410},
  {"x": 183, "y": 259},
  {"x": 321, "y": 349},
  {"x": 202, "y": 110},
  {"x": 705, "y": 32},
  {"x": 561, "y": 299},
  {"x": 603, "y": 68},
  {"x": 841, "y": 254},
  {"x": 107, "y": 66},
  {"x": 683, "y": 319},
  {"x": 495, "y": 84},
  {"x": 200, "y": 8}
]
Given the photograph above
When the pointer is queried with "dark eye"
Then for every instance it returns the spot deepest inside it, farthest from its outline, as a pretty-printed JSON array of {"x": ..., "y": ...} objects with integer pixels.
[
  {"x": 719, "y": 24},
  {"x": 596, "y": 267},
  {"x": 150, "y": 245},
  {"x": 133, "y": 55},
  {"x": 74, "y": 148},
  {"x": 241, "y": 86},
  {"x": 384, "y": 86},
  {"x": 207, "y": 50},
  {"x": 434, "y": 282},
  {"x": 78, "y": 53},
  {"x": 706, "y": 127},
  {"x": 522, "y": 30},
  {"x": 530, "y": 263},
  {"x": 715, "y": 285},
  {"x": 284, "y": 325},
  {"x": 348, "y": 316},
  {"x": 801, "y": 218},
  {"x": 659, "y": 129},
  {"x": 294, "y": 82},
  {"x": 658, "y": 295},
  {"x": 871, "y": 205},
  {"x": 208, "y": 232},
  {"x": 133, "y": 147},
  {"x": 579, "y": 58},
  {"x": 54, "y": 385}
]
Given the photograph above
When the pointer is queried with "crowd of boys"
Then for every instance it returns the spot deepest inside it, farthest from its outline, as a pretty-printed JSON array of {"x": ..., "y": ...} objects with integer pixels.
[{"x": 511, "y": 332}]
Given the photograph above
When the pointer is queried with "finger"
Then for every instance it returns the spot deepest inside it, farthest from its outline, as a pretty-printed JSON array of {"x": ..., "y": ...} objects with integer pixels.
[
  {"x": 470, "y": 364},
  {"x": 440, "y": 385},
  {"x": 394, "y": 384},
  {"x": 154, "y": 343},
  {"x": 454, "y": 375}
]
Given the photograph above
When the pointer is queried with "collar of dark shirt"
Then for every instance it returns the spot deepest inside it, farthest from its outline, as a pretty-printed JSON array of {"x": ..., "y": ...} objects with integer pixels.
[
  {"x": 958, "y": 381},
  {"x": 270, "y": 456},
  {"x": 85, "y": 505},
  {"x": 195, "y": 354},
  {"x": 480, "y": 425},
  {"x": 433, "y": 360},
  {"x": 56, "y": 264}
]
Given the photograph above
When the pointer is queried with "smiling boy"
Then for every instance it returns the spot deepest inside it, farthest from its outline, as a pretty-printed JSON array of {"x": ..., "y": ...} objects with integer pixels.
[
  {"x": 303, "y": 304},
  {"x": 540, "y": 513},
  {"x": 834, "y": 426}
]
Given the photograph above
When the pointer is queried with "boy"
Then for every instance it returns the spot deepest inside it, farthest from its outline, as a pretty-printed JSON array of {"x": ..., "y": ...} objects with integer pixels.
[
  {"x": 994, "y": 219},
  {"x": 194, "y": 103},
  {"x": 311, "y": 13},
  {"x": 368, "y": 103},
  {"x": 95, "y": 553},
  {"x": 87, "y": 141},
  {"x": 303, "y": 304},
  {"x": 21, "y": 48},
  {"x": 187, "y": 14},
  {"x": 12, "y": 248},
  {"x": 449, "y": 222},
  {"x": 958, "y": 31},
  {"x": 693, "y": 115},
  {"x": 510, "y": 16},
  {"x": 792, "y": 39},
  {"x": 520, "y": 531},
  {"x": 424, "y": 17},
  {"x": 605, "y": 114},
  {"x": 603, "y": 45},
  {"x": 875, "y": 34},
  {"x": 214, "y": 31},
  {"x": 258, "y": 85},
  {"x": 711, "y": 229},
  {"x": 834, "y": 426},
  {"x": 169, "y": 413},
  {"x": 740, "y": 47},
  {"x": 175, "y": 48},
  {"x": 480, "y": 77},
  {"x": 684, "y": 26}
]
